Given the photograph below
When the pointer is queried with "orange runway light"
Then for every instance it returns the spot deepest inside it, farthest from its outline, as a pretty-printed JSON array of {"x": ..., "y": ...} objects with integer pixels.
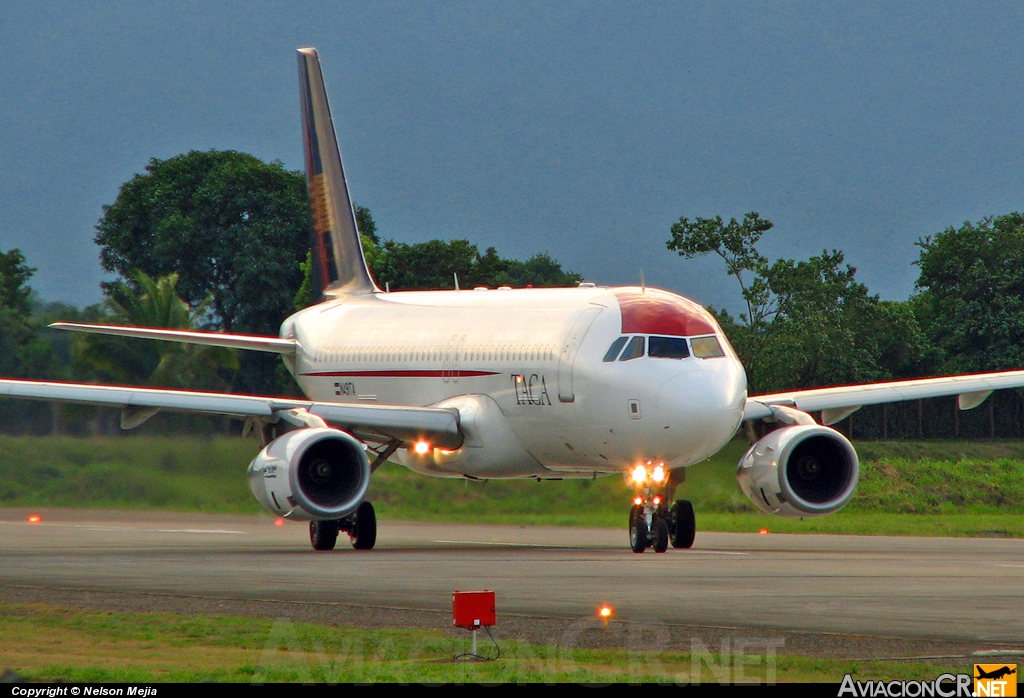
[
  {"x": 35, "y": 518},
  {"x": 279, "y": 522},
  {"x": 421, "y": 447},
  {"x": 605, "y": 612},
  {"x": 763, "y": 532}
]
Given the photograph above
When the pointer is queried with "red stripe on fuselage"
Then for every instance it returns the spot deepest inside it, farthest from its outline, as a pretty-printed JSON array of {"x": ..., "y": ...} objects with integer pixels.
[{"x": 407, "y": 373}]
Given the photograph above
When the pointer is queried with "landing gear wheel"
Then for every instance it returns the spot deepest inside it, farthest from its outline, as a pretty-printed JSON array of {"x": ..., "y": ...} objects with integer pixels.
[
  {"x": 637, "y": 530},
  {"x": 323, "y": 534},
  {"x": 684, "y": 526},
  {"x": 364, "y": 532},
  {"x": 660, "y": 536}
]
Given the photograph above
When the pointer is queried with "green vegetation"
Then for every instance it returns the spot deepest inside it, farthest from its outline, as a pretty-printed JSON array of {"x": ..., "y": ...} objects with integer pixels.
[
  {"x": 808, "y": 323},
  {"x": 44, "y": 643},
  {"x": 923, "y": 488}
]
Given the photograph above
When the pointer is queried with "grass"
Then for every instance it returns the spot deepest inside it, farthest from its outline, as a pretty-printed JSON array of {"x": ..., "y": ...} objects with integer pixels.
[
  {"x": 906, "y": 488},
  {"x": 46, "y": 643}
]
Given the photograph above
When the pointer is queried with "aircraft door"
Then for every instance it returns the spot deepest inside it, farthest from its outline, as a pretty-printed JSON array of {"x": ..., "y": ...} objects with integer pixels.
[{"x": 570, "y": 347}]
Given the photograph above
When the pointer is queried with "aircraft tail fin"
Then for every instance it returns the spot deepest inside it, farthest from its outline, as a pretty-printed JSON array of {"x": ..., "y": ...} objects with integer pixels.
[{"x": 339, "y": 266}]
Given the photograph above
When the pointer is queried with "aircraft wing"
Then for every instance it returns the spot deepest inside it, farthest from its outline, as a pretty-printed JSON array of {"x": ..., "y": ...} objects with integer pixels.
[
  {"x": 217, "y": 339},
  {"x": 439, "y": 426},
  {"x": 837, "y": 403}
]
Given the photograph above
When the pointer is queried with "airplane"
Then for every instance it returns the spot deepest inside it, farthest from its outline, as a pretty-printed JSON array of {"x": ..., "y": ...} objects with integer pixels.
[
  {"x": 538, "y": 383},
  {"x": 995, "y": 673}
]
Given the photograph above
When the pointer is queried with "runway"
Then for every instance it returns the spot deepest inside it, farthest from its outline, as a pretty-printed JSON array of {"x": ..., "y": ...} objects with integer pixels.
[{"x": 960, "y": 590}]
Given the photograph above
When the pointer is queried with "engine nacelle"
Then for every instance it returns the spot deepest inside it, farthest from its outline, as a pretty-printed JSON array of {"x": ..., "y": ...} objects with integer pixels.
[
  {"x": 800, "y": 470},
  {"x": 311, "y": 474}
]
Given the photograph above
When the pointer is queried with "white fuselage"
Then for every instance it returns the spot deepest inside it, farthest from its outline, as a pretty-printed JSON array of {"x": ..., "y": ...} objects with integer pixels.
[{"x": 527, "y": 370}]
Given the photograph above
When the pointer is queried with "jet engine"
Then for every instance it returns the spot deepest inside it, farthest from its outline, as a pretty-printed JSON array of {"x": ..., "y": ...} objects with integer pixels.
[
  {"x": 311, "y": 474},
  {"x": 800, "y": 470}
]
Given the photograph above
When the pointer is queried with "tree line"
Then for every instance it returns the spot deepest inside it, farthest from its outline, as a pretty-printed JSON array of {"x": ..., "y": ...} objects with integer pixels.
[{"x": 218, "y": 240}]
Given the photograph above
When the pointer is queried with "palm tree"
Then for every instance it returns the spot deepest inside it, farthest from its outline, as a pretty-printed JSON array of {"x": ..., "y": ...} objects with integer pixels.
[{"x": 155, "y": 303}]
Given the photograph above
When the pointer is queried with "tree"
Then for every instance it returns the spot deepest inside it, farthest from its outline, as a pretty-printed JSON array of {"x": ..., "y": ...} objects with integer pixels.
[
  {"x": 970, "y": 296},
  {"x": 22, "y": 353},
  {"x": 233, "y": 228},
  {"x": 807, "y": 323},
  {"x": 434, "y": 264},
  {"x": 148, "y": 362}
]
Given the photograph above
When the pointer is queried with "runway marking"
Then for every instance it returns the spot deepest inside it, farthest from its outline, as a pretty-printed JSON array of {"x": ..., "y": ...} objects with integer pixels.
[
  {"x": 504, "y": 545},
  {"x": 199, "y": 530},
  {"x": 1002, "y": 565},
  {"x": 563, "y": 546},
  {"x": 133, "y": 529}
]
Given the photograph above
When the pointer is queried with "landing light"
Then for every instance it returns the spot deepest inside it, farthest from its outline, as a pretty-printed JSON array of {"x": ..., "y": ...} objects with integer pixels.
[
  {"x": 659, "y": 474},
  {"x": 422, "y": 448},
  {"x": 639, "y": 474}
]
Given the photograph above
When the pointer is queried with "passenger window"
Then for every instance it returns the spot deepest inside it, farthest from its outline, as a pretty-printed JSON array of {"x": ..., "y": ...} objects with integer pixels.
[
  {"x": 615, "y": 348},
  {"x": 634, "y": 350},
  {"x": 668, "y": 348},
  {"x": 707, "y": 347}
]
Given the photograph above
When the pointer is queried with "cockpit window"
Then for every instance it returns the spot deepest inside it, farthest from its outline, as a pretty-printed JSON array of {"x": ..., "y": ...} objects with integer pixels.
[
  {"x": 615, "y": 348},
  {"x": 706, "y": 347},
  {"x": 668, "y": 348},
  {"x": 634, "y": 350}
]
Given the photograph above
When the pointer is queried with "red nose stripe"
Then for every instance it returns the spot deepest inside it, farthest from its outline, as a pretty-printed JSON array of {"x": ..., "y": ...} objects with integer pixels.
[{"x": 660, "y": 312}]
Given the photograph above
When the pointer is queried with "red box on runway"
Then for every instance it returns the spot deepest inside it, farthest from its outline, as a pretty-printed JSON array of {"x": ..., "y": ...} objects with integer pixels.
[{"x": 472, "y": 609}]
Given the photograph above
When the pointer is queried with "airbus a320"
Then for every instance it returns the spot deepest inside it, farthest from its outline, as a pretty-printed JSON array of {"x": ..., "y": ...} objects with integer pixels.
[{"x": 505, "y": 383}]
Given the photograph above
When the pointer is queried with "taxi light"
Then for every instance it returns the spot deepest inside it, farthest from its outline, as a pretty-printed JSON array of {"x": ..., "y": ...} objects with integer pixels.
[
  {"x": 638, "y": 501},
  {"x": 422, "y": 447},
  {"x": 659, "y": 474},
  {"x": 639, "y": 474}
]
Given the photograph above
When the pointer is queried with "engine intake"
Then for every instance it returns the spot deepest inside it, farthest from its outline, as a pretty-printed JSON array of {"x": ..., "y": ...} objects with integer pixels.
[
  {"x": 311, "y": 474},
  {"x": 800, "y": 470}
]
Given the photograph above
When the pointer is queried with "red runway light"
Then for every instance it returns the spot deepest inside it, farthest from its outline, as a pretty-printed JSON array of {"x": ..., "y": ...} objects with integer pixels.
[
  {"x": 605, "y": 611},
  {"x": 279, "y": 522},
  {"x": 763, "y": 532},
  {"x": 35, "y": 518}
]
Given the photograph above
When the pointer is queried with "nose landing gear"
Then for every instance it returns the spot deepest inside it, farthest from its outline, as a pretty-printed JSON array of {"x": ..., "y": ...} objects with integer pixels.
[{"x": 652, "y": 524}]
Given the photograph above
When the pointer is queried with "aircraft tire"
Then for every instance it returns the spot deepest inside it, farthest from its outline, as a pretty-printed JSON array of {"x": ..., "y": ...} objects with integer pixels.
[
  {"x": 638, "y": 536},
  {"x": 364, "y": 532},
  {"x": 684, "y": 528},
  {"x": 323, "y": 534},
  {"x": 660, "y": 536}
]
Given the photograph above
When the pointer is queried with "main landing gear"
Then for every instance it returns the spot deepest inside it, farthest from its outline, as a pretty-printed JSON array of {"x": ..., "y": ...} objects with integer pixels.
[
  {"x": 653, "y": 524},
  {"x": 360, "y": 526}
]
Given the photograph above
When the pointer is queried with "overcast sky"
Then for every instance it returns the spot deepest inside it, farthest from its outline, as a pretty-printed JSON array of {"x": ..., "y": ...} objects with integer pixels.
[{"x": 580, "y": 129}]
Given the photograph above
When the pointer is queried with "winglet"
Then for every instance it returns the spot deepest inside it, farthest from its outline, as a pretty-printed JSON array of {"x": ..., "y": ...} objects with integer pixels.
[{"x": 337, "y": 253}]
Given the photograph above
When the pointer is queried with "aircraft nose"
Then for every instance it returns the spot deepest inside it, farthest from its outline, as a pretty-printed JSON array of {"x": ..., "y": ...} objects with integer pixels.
[{"x": 706, "y": 405}]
